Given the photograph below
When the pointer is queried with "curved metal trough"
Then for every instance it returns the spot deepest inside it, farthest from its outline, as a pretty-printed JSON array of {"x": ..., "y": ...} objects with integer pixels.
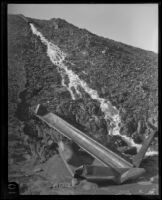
[{"x": 122, "y": 169}]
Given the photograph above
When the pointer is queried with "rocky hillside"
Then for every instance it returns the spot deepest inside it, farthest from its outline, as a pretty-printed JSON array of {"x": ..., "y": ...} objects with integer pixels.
[{"x": 124, "y": 75}]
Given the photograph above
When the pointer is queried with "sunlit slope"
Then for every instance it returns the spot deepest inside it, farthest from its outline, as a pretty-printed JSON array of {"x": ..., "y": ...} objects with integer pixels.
[{"x": 120, "y": 75}]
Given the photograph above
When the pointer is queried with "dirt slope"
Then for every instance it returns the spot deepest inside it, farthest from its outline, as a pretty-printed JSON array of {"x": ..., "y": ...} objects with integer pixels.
[{"x": 125, "y": 75}]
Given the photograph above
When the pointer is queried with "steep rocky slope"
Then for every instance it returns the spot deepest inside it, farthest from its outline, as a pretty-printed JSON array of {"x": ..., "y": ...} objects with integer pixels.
[{"x": 124, "y": 75}]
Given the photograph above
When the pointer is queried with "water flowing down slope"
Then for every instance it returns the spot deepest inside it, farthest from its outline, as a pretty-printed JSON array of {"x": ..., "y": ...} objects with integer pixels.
[{"x": 58, "y": 58}]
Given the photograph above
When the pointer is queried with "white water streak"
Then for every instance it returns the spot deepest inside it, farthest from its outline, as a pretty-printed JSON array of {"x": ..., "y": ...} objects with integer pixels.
[
  {"x": 111, "y": 113},
  {"x": 130, "y": 142},
  {"x": 151, "y": 153},
  {"x": 57, "y": 57}
]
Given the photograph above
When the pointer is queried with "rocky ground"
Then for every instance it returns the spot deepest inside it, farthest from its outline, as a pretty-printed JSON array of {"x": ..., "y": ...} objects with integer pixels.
[
  {"x": 125, "y": 75},
  {"x": 53, "y": 178}
]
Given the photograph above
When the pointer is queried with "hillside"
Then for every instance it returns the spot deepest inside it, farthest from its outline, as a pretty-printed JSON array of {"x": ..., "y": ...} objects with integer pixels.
[{"x": 125, "y": 76}]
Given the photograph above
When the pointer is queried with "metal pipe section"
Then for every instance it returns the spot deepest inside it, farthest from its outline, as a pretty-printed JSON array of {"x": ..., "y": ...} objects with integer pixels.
[{"x": 106, "y": 156}]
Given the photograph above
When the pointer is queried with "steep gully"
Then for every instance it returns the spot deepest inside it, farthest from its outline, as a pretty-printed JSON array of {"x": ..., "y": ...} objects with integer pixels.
[{"x": 58, "y": 58}]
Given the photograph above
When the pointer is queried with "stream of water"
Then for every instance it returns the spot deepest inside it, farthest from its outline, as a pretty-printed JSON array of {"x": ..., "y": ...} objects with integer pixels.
[{"x": 111, "y": 113}]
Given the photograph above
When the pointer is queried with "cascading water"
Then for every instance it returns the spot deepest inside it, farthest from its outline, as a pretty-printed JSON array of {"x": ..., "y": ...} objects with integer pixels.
[{"x": 111, "y": 113}]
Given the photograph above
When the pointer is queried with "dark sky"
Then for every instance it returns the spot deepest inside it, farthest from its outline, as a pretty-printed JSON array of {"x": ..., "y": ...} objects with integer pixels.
[{"x": 134, "y": 24}]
